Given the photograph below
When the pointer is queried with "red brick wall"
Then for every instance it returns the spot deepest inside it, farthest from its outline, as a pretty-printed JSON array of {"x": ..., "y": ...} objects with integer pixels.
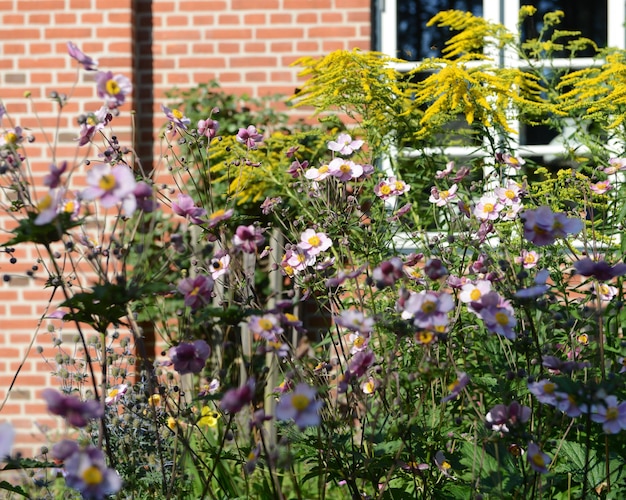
[{"x": 246, "y": 45}]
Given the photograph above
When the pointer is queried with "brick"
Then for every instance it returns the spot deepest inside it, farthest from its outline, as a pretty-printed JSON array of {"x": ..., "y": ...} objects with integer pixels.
[
  {"x": 256, "y": 76},
  {"x": 229, "y": 48},
  {"x": 255, "y": 4},
  {"x": 308, "y": 46},
  {"x": 332, "y": 17},
  {"x": 307, "y": 18},
  {"x": 342, "y": 32},
  {"x": 292, "y": 33},
  {"x": 203, "y": 20},
  {"x": 14, "y": 78},
  {"x": 92, "y": 18},
  {"x": 281, "y": 18},
  {"x": 213, "y": 62},
  {"x": 228, "y": 19},
  {"x": 20, "y": 34},
  {"x": 359, "y": 17},
  {"x": 255, "y": 19},
  {"x": 307, "y": 4},
  {"x": 281, "y": 47},
  {"x": 77, "y": 33},
  {"x": 243, "y": 62},
  {"x": 197, "y": 6},
  {"x": 229, "y": 34},
  {"x": 64, "y": 18},
  {"x": 254, "y": 47},
  {"x": 43, "y": 5},
  {"x": 14, "y": 19},
  {"x": 352, "y": 4},
  {"x": 119, "y": 17}
]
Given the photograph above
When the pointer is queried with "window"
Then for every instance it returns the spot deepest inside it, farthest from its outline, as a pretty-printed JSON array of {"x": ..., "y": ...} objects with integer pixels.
[{"x": 403, "y": 34}]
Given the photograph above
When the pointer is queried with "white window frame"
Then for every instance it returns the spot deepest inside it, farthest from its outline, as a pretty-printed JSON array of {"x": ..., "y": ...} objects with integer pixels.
[{"x": 506, "y": 12}]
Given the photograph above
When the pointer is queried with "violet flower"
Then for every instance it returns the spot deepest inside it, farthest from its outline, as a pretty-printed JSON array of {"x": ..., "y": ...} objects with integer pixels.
[
  {"x": 111, "y": 185},
  {"x": 113, "y": 89},
  {"x": 542, "y": 226},
  {"x": 185, "y": 207},
  {"x": 388, "y": 272},
  {"x": 248, "y": 238},
  {"x": 189, "y": 357},
  {"x": 345, "y": 145},
  {"x": 208, "y": 128},
  {"x": 176, "y": 118},
  {"x": 7, "y": 437},
  {"x": 197, "y": 291},
  {"x": 538, "y": 460},
  {"x": 301, "y": 406},
  {"x": 234, "y": 400},
  {"x": 601, "y": 270},
  {"x": 75, "y": 411},
  {"x": 88, "y": 63},
  {"x": 145, "y": 197},
  {"x": 87, "y": 472},
  {"x": 53, "y": 179},
  {"x": 249, "y": 137},
  {"x": 501, "y": 418}
]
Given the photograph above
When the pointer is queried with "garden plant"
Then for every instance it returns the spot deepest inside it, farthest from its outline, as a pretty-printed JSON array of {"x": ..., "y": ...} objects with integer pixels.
[{"x": 338, "y": 310}]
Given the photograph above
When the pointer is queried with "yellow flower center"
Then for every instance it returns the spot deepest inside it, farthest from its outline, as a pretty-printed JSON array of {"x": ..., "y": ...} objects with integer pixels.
[
  {"x": 475, "y": 294},
  {"x": 107, "y": 182},
  {"x": 583, "y": 338},
  {"x": 291, "y": 317},
  {"x": 428, "y": 307},
  {"x": 112, "y": 87},
  {"x": 300, "y": 402},
  {"x": 400, "y": 186},
  {"x": 385, "y": 189},
  {"x": 171, "y": 422},
  {"x": 323, "y": 169},
  {"x": 368, "y": 387},
  {"x": 314, "y": 241},
  {"x": 424, "y": 337},
  {"x": 549, "y": 388},
  {"x": 345, "y": 168},
  {"x": 113, "y": 393},
  {"x": 510, "y": 194},
  {"x": 195, "y": 291},
  {"x": 538, "y": 460},
  {"x": 154, "y": 400},
  {"x": 488, "y": 208},
  {"x": 92, "y": 476},
  {"x": 91, "y": 120},
  {"x": 502, "y": 318},
  {"x": 10, "y": 138},
  {"x": 265, "y": 324},
  {"x": 612, "y": 413},
  {"x": 529, "y": 258},
  {"x": 604, "y": 289},
  {"x": 45, "y": 203},
  {"x": 358, "y": 341},
  {"x": 69, "y": 207},
  {"x": 453, "y": 385},
  {"x": 177, "y": 114},
  {"x": 444, "y": 194}
]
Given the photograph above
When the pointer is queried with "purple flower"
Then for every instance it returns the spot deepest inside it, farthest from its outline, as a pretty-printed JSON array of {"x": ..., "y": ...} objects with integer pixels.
[
  {"x": 611, "y": 414},
  {"x": 185, "y": 207},
  {"x": 53, "y": 179},
  {"x": 208, "y": 128},
  {"x": 49, "y": 206},
  {"x": 345, "y": 145},
  {"x": 538, "y": 289},
  {"x": 220, "y": 215},
  {"x": 176, "y": 118},
  {"x": 64, "y": 449},
  {"x": 7, "y": 437},
  {"x": 456, "y": 387},
  {"x": 355, "y": 320},
  {"x": 542, "y": 226},
  {"x": 145, "y": 197},
  {"x": 115, "y": 393},
  {"x": 360, "y": 362},
  {"x": 388, "y": 272},
  {"x": 113, "y": 89},
  {"x": 501, "y": 418},
  {"x": 497, "y": 314},
  {"x": 427, "y": 309},
  {"x": 248, "y": 238},
  {"x": 87, "y": 472},
  {"x": 538, "y": 460},
  {"x": 92, "y": 124},
  {"x": 189, "y": 357},
  {"x": 300, "y": 406},
  {"x": 435, "y": 269},
  {"x": 88, "y": 63},
  {"x": 197, "y": 291},
  {"x": 249, "y": 137},
  {"x": 111, "y": 185},
  {"x": 602, "y": 270},
  {"x": 75, "y": 411},
  {"x": 235, "y": 399}
]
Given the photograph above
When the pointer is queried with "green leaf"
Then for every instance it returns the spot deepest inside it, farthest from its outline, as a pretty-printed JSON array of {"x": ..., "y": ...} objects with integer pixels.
[{"x": 4, "y": 485}]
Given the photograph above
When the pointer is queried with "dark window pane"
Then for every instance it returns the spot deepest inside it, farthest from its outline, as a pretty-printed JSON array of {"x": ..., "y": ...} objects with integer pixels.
[
  {"x": 415, "y": 40},
  {"x": 588, "y": 17}
]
